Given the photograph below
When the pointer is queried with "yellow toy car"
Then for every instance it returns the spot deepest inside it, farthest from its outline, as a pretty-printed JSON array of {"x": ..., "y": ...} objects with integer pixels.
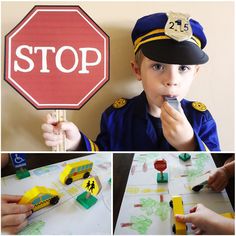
[
  {"x": 177, "y": 205},
  {"x": 40, "y": 197},
  {"x": 76, "y": 171}
]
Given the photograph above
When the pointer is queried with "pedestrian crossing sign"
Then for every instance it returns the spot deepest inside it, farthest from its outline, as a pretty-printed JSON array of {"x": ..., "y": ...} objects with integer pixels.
[{"x": 92, "y": 185}]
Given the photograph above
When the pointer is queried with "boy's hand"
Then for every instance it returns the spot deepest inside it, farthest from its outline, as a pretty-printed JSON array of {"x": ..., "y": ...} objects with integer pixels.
[
  {"x": 218, "y": 179},
  {"x": 206, "y": 221},
  {"x": 51, "y": 133},
  {"x": 176, "y": 128},
  {"x": 14, "y": 216}
]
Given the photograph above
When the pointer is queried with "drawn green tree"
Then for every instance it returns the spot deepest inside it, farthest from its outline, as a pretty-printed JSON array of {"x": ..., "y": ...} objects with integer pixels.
[
  {"x": 148, "y": 205},
  {"x": 151, "y": 206},
  {"x": 140, "y": 223},
  {"x": 162, "y": 210},
  {"x": 33, "y": 229},
  {"x": 199, "y": 166}
]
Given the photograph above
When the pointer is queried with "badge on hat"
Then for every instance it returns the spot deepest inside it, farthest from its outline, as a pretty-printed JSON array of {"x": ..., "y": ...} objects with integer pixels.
[{"x": 178, "y": 26}]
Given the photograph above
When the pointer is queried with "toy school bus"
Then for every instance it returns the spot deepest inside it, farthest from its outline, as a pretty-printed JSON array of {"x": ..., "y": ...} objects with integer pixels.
[
  {"x": 40, "y": 197},
  {"x": 177, "y": 205},
  {"x": 76, "y": 171}
]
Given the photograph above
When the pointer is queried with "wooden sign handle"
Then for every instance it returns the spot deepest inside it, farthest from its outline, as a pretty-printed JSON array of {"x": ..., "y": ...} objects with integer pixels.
[{"x": 60, "y": 116}]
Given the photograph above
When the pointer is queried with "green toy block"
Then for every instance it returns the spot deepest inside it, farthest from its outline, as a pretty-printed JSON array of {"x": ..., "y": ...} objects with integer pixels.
[
  {"x": 86, "y": 202},
  {"x": 22, "y": 173},
  {"x": 162, "y": 178},
  {"x": 184, "y": 156}
]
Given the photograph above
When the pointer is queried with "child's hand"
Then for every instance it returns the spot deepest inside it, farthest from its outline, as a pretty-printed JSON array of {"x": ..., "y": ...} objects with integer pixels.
[
  {"x": 218, "y": 179},
  {"x": 14, "y": 216},
  {"x": 51, "y": 133},
  {"x": 206, "y": 221},
  {"x": 176, "y": 128}
]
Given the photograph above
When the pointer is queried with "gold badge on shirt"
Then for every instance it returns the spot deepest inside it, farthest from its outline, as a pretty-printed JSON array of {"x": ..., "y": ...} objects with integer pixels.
[
  {"x": 199, "y": 106},
  {"x": 119, "y": 103}
]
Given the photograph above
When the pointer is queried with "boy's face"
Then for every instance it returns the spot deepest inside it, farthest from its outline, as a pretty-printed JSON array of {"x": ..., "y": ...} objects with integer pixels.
[{"x": 160, "y": 80}]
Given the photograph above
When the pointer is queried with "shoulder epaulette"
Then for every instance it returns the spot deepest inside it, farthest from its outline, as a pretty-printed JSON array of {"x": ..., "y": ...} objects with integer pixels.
[
  {"x": 121, "y": 102},
  {"x": 199, "y": 106}
]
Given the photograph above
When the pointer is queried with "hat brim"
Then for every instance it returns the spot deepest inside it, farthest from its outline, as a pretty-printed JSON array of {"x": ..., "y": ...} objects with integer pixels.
[{"x": 173, "y": 52}]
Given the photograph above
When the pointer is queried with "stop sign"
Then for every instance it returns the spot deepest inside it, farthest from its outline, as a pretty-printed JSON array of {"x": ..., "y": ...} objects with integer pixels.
[
  {"x": 57, "y": 57},
  {"x": 160, "y": 165}
]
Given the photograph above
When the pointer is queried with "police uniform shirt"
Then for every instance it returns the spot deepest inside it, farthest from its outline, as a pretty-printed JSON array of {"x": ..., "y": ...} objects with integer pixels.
[{"x": 127, "y": 126}]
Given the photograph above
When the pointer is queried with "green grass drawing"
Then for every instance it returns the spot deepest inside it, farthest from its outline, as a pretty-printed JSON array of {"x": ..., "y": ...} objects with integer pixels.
[{"x": 33, "y": 228}]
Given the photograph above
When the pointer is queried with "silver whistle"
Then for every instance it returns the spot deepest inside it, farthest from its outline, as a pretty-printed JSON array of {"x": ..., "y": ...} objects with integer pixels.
[{"x": 173, "y": 102}]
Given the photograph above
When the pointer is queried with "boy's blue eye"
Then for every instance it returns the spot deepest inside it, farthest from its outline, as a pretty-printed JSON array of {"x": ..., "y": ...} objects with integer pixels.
[
  {"x": 183, "y": 68},
  {"x": 158, "y": 67}
]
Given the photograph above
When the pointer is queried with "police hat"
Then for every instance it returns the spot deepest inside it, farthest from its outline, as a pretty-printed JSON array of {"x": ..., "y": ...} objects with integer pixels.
[{"x": 170, "y": 38}]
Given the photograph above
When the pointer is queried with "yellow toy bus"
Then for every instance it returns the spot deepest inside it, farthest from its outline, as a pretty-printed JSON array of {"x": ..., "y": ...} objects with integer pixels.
[
  {"x": 177, "y": 205},
  {"x": 40, "y": 197},
  {"x": 76, "y": 171}
]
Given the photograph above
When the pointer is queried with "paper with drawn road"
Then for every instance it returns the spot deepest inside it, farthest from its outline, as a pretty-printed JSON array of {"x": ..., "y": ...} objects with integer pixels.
[
  {"x": 144, "y": 212},
  {"x": 68, "y": 216}
]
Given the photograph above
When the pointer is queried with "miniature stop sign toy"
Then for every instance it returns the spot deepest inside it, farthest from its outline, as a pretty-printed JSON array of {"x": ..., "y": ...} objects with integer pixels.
[
  {"x": 57, "y": 57},
  {"x": 161, "y": 165}
]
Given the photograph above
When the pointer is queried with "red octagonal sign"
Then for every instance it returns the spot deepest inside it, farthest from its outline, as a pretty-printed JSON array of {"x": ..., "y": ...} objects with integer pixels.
[
  {"x": 160, "y": 165},
  {"x": 57, "y": 57}
]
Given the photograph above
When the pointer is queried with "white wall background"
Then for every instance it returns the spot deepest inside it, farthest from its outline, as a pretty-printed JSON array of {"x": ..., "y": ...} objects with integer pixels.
[{"x": 21, "y": 123}]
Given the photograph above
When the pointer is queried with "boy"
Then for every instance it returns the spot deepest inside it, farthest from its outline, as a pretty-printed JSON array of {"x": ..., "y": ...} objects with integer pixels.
[{"x": 168, "y": 51}]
